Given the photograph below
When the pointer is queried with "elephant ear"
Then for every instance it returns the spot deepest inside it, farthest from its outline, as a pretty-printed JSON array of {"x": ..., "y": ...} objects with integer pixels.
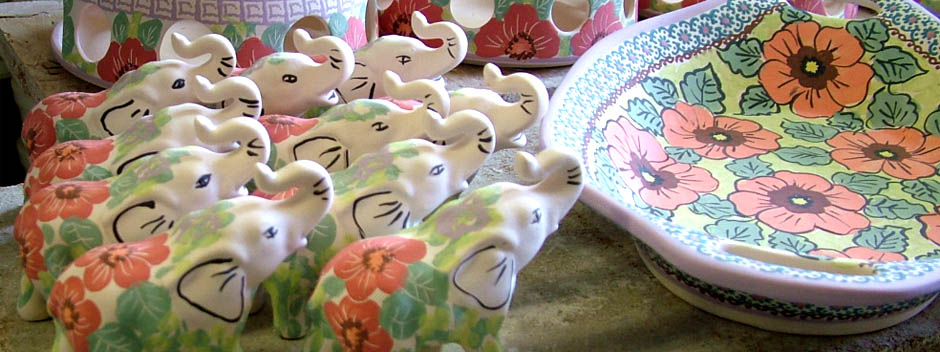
[
  {"x": 142, "y": 220},
  {"x": 380, "y": 213},
  {"x": 326, "y": 151},
  {"x": 215, "y": 287},
  {"x": 488, "y": 275}
]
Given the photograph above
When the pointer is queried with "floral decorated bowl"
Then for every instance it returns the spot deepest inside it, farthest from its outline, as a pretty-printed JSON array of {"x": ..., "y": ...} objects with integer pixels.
[
  {"x": 778, "y": 167},
  {"x": 517, "y": 33},
  {"x": 99, "y": 40}
]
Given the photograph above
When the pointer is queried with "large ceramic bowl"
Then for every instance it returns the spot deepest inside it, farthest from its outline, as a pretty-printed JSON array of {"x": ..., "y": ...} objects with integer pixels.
[{"x": 779, "y": 167}]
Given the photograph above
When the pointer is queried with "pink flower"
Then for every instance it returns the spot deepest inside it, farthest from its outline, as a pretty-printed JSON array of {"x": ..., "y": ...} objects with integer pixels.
[{"x": 605, "y": 22}]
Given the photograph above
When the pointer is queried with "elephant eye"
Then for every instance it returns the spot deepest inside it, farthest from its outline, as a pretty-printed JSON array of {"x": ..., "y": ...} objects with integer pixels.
[
  {"x": 536, "y": 216},
  {"x": 437, "y": 170},
  {"x": 379, "y": 126},
  {"x": 203, "y": 181},
  {"x": 403, "y": 59},
  {"x": 180, "y": 83},
  {"x": 289, "y": 78},
  {"x": 270, "y": 232}
]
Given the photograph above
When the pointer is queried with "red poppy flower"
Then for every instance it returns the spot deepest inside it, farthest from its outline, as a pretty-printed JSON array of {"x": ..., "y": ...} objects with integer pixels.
[
  {"x": 280, "y": 127},
  {"x": 357, "y": 325},
  {"x": 816, "y": 69},
  {"x": 68, "y": 199},
  {"x": 355, "y": 33},
  {"x": 28, "y": 234},
  {"x": 72, "y": 105},
  {"x": 799, "y": 202},
  {"x": 251, "y": 50},
  {"x": 931, "y": 228},
  {"x": 377, "y": 262},
  {"x": 69, "y": 159},
  {"x": 32, "y": 184},
  {"x": 123, "y": 58},
  {"x": 605, "y": 22},
  {"x": 38, "y": 132},
  {"x": 396, "y": 19},
  {"x": 127, "y": 263},
  {"x": 79, "y": 317},
  {"x": 721, "y": 137},
  {"x": 647, "y": 170},
  {"x": 904, "y": 152},
  {"x": 520, "y": 35},
  {"x": 862, "y": 253}
]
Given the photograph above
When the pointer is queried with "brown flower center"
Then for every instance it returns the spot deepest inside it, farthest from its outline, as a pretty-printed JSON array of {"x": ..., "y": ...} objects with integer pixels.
[
  {"x": 715, "y": 135},
  {"x": 798, "y": 200},
  {"x": 886, "y": 151},
  {"x": 652, "y": 178},
  {"x": 113, "y": 257},
  {"x": 69, "y": 316},
  {"x": 68, "y": 151},
  {"x": 812, "y": 68},
  {"x": 521, "y": 47},
  {"x": 30, "y": 138},
  {"x": 375, "y": 259},
  {"x": 354, "y": 335},
  {"x": 402, "y": 25},
  {"x": 68, "y": 192}
]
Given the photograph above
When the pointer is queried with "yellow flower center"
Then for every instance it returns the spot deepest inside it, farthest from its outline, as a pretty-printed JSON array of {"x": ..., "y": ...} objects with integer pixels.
[
  {"x": 800, "y": 200},
  {"x": 887, "y": 154},
  {"x": 721, "y": 137},
  {"x": 648, "y": 177},
  {"x": 811, "y": 67}
]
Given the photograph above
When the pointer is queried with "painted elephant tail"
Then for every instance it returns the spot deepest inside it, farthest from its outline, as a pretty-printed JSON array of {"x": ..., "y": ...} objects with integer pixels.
[
  {"x": 246, "y": 134},
  {"x": 455, "y": 40},
  {"x": 222, "y": 54},
  {"x": 533, "y": 102},
  {"x": 429, "y": 92},
  {"x": 240, "y": 95},
  {"x": 338, "y": 55},
  {"x": 558, "y": 174},
  {"x": 313, "y": 188}
]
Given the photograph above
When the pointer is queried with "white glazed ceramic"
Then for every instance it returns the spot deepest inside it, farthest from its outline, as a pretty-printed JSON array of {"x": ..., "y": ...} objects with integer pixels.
[
  {"x": 92, "y": 160},
  {"x": 62, "y": 221},
  {"x": 450, "y": 279},
  {"x": 788, "y": 228},
  {"x": 191, "y": 288}
]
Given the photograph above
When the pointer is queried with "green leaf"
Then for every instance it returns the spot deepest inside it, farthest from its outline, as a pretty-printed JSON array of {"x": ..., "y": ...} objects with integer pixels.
[
  {"x": 69, "y": 130},
  {"x": 846, "y": 121},
  {"x": 57, "y": 258},
  {"x": 653, "y": 211},
  {"x": 95, "y": 173},
  {"x": 930, "y": 255},
  {"x": 805, "y": 156},
  {"x": 894, "y": 65},
  {"x": 440, "y": 3},
  {"x": 808, "y": 131},
  {"x": 885, "y": 239},
  {"x": 338, "y": 24},
  {"x": 932, "y": 124},
  {"x": 662, "y": 90},
  {"x": 68, "y": 35},
  {"x": 322, "y": 236},
  {"x": 544, "y": 8},
  {"x": 333, "y": 286},
  {"x": 83, "y": 233},
  {"x": 871, "y": 32},
  {"x": 501, "y": 7},
  {"x": 891, "y": 110},
  {"x": 791, "y": 15},
  {"x": 67, "y": 6},
  {"x": 26, "y": 293},
  {"x": 143, "y": 306},
  {"x": 48, "y": 233},
  {"x": 426, "y": 284},
  {"x": 273, "y": 36},
  {"x": 743, "y": 57},
  {"x": 755, "y": 101},
  {"x": 714, "y": 207},
  {"x": 149, "y": 33},
  {"x": 924, "y": 189},
  {"x": 434, "y": 325},
  {"x": 113, "y": 337},
  {"x": 742, "y": 231},
  {"x": 401, "y": 315},
  {"x": 749, "y": 167},
  {"x": 884, "y": 207},
  {"x": 119, "y": 28},
  {"x": 645, "y": 114},
  {"x": 683, "y": 155},
  {"x": 702, "y": 87},
  {"x": 231, "y": 33},
  {"x": 862, "y": 183},
  {"x": 796, "y": 244}
]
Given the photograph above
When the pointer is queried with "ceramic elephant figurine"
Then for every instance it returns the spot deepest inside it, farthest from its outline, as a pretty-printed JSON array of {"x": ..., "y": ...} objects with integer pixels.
[
  {"x": 347, "y": 131},
  {"x": 381, "y": 193},
  {"x": 296, "y": 82},
  {"x": 450, "y": 279},
  {"x": 90, "y": 160},
  {"x": 157, "y": 84},
  {"x": 408, "y": 57},
  {"x": 189, "y": 289},
  {"x": 146, "y": 199}
]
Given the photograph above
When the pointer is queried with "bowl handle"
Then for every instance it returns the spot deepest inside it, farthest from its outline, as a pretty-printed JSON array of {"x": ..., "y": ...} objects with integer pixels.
[{"x": 784, "y": 258}]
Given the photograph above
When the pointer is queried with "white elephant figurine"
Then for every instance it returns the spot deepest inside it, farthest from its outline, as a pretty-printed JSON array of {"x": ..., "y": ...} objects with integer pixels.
[
  {"x": 380, "y": 194},
  {"x": 62, "y": 221},
  {"x": 408, "y": 57},
  {"x": 157, "y": 84},
  {"x": 295, "y": 82},
  {"x": 347, "y": 131},
  {"x": 189, "y": 289},
  {"x": 91, "y": 159},
  {"x": 450, "y": 279}
]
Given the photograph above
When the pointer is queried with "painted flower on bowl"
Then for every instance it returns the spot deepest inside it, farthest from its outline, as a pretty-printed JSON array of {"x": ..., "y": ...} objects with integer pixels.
[
  {"x": 800, "y": 202},
  {"x": 356, "y": 325},
  {"x": 123, "y": 58},
  {"x": 379, "y": 262},
  {"x": 280, "y": 127},
  {"x": 72, "y": 105},
  {"x": 605, "y": 22},
  {"x": 70, "y": 199},
  {"x": 520, "y": 35},
  {"x": 694, "y": 127},
  {"x": 817, "y": 70},
  {"x": 251, "y": 50},
  {"x": 905, "y": 153},
  {"x": 38, "y": 132},
  {"x": 861, "y": 253},
  {"x": 647, "y": 170},
  {"x": 931, "y": 228},
  {"x": 126, "y": 263},
  {"x": 69, "y": 159},
  {"x": 355, "y": 34},
  {"x": 30, "y": 238},
  {"x": 78, "y": 317},
  {"x": 396, "y": 19}
]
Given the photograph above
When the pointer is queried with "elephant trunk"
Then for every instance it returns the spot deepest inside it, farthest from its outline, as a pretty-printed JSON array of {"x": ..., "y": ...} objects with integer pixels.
[
  {"x": 313, "y": 195},
  {"x": 526, "y": 112},
  {"x": 469, "y": 140},
  {"x": 339, "y": 57},
  {"x": 558, "y": 176},
  {"x": 221, "y": 54},
  {"x": 247, "y": 102},
  {"x": 429, "y": 92},
  {"x": 453, "y": 51}
]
